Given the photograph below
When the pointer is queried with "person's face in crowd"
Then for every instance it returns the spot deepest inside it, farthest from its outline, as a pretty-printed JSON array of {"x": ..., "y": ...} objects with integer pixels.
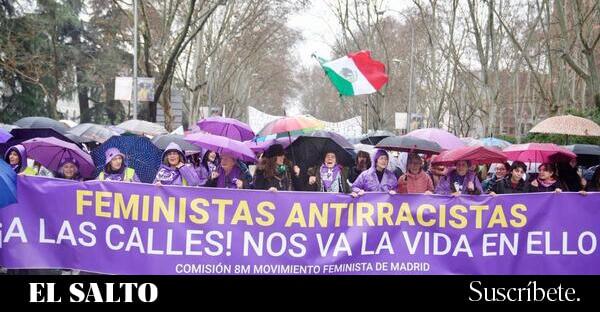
[
  {"x": 227, "y": 162},
  {"x": 116, "y": 162},
  {"x": 212, "y": 156},
  {"x": 361, "y": 161},
  {"x": 382, "y": 162},
  {"x": 517, "y": 174},
  {"x": 573, "y": 163},
  {"x": 414, "y": 164},
  {"x": 439, "y": 170},
  {"x": 501, "y": 171},
  {"x": 462, "y": 167},
  {"x": 14, "y": 158},
  {"x": 280, "y": 159},
  {"x": 330, "y": 160},
  {"x": 173, "y": 158},
  {"x": 545, "y": 173},
  {"x": 69, "y": 170}
]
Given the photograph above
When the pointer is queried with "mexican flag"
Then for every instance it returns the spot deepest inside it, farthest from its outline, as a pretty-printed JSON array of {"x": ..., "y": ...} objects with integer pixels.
[{"x": 355, "y": 74}]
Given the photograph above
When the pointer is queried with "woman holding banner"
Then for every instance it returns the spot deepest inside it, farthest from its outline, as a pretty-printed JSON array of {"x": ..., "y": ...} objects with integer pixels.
[
  {"x": 378, "y": 178},
  {"x": 514, "y": 182},
  {"x": 330, "y": 177},
  {"x": 277, "y": 175},
  {"x": 115, "y": 168},
  {"x": 228, "y": 175},
  {"x": 16, "y": 157},
  {"x": 547, "y": 180},
  {"x": 502, "y": 172},
  {"x": 461, "y": 180},
  {"x": 68, "y": 169},
  {"x": 174, "y": 170},
  {"x": 415, "y": 180}
]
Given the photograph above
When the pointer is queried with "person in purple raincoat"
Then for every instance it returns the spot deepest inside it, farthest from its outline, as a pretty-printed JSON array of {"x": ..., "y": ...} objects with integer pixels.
[
  {"x": 208, "y": 165},
  {"x": 68, "y": 169},
  {"x": 377, "y": 178},
  {"x": 228, "y": 175},
  {"x": 174, "y": 170},
  {"x": 115, "y": 168},
  {"x": 16, "y": 157},
  {"x": 461, "y": 180}
]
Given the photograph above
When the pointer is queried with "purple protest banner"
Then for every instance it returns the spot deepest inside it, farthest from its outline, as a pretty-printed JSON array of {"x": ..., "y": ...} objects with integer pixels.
[{"x": 131, "y": 228}]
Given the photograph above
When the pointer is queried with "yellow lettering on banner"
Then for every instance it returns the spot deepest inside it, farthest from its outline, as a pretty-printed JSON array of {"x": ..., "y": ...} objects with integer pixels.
[
  {"x": 269, "y": 218},
  {"x": 404, "y": 215},
  {"x": 81, "y": 202},
  {"x": 222, "y": 203},
  {"x": 203, "y": 216},
  {"x": 101, "y": 204},
  {"x": 362, "y": 215},
  {"x": 182, "y": 209},
  {"x": 338, "y": 212},
  {"x": 296, "y": 216},
  {"x": 131, "y": 209},
  {"x": 168, "y": 211},
  {"x": 498, "y": 217},
  {"x": 320, "y": 214},
  {"x": 145, "y": 207},
  {"x": 479, "y": 214},
  {"x": 242, "y": 213},
  {"x": 384, "y": 211},
  {"x": 442, "y": 212},
  {"x": 457, "y": 216},
  {"x": 421, "y": 211},
  {"x": 522, "y": 219}
]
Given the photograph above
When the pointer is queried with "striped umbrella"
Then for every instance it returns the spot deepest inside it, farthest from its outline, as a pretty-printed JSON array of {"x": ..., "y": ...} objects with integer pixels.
[{"x": 288, "y": 127}]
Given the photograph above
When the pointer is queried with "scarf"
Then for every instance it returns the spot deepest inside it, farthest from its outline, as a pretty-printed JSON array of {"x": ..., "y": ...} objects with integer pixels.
[
  {"x": 166, "y": 175},
  {"x": 329, "y": 175}
]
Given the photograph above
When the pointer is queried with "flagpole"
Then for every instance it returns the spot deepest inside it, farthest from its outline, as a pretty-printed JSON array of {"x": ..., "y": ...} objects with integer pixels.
[{"x": 135, "y": 48}]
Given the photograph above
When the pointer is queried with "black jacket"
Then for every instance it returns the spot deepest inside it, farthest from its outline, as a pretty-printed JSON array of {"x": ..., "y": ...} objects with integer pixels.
[
  {"x": 505, "y": 186},
  {"x": 317, "y": 187}
]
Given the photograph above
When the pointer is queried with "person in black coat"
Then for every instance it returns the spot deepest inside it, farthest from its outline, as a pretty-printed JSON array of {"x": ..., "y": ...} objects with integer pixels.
[
  {"x": 277, "y": 174},
  {"x": 514, "y": 183}
]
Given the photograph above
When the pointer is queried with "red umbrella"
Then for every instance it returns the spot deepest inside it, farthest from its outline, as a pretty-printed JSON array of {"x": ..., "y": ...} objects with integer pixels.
[
  {"x": 474, "y": 154},
  {"x": 288, "y": 127},
  {"x": 538, "y": 153}
]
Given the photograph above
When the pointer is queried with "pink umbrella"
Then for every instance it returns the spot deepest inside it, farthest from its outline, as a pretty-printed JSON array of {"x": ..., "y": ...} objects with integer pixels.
[
  {"x": 227, "y": 127},
  {"x": 538, "y": 153},
  {"x": 445, "y": 139},
  {"x": 222, "y": 145},
  {"x": 474, "y": 154},
  {"x": 51, "y": 151}
]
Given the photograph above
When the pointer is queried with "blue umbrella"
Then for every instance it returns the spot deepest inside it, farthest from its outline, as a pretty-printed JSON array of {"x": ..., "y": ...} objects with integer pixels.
[
  {"x": 4, "y": 135},
  {"x": 495, "y": 142},
  {"x": 8, "y": 184},
  {"x": 141, "y": 155}
]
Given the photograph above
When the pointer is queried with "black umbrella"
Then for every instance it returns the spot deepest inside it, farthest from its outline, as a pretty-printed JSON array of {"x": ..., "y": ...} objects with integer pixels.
[
  {"x": 42, "y": 122},
  {"x": 587, "y": 154},
  {"x": 343, "y": 142},
  {"x": 374, "y": 137},
  {"x": 162, "y": 141},
  {"x": 409, "y": 144},
  {"x": 90, "y": 132},
  {"x": 584, "y": 149},
  {"x": 310, "y": 151},
  {"x": 23, "y": 134}
]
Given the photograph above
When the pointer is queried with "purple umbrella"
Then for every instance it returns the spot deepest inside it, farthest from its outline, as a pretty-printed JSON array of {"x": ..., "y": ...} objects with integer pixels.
[
  {"x": 227, "y": 127},
  {"x": 259, "y": 147},
  {"x": 222, "y": 145},
  {"x": 4, "y": 135},
  {"x": 445, "y": 139},
  {"x": 51, "y": 151}
]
